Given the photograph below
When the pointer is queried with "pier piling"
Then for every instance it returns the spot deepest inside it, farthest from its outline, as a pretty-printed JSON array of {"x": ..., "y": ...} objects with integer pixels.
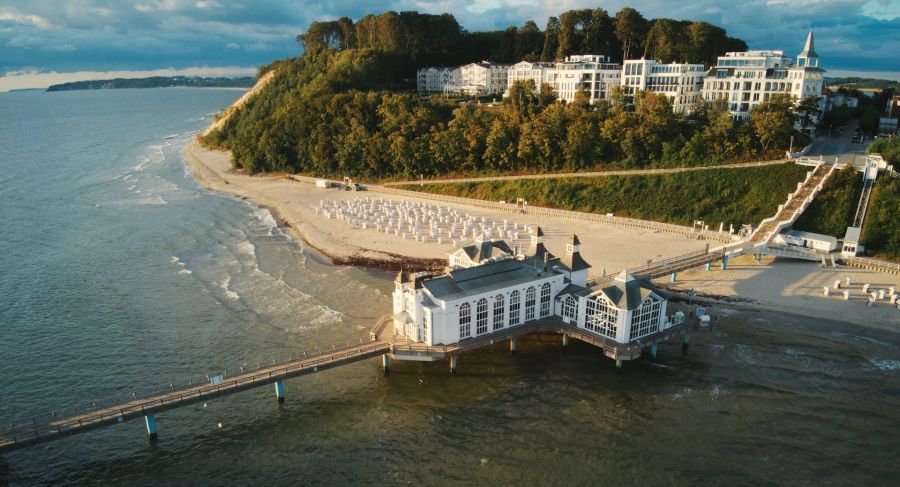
[
  {"x": 686, "y": 343},
  {"x": 279, "y": 390},
  {"x": 151, "y": 426},
  {"x": 674, "y": 277},
  {"x": 386, "y": 363},
  {"x": 453, "y": 360},
  {"x": 512, "y": 345},
  {"x": 724, "y": 262},
  {"x": 708, "y": 266},
  {"x": 653, "y": 352},
  {"x": 618, "y": 364},
  {"x": 565, "y": 341}
]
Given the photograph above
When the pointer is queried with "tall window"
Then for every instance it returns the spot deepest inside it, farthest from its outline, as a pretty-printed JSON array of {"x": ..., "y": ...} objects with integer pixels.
[
  {"x": 481, "y": 317},
  {"x": 514, "y": 308},
  {"x": 545, "y": 300},
  {"x": 570, "y": 308},
  {"x": 426, "y": 321},
  {"x": 645, "y": 319},
  {"x": 465, "y": 321},
  {"x": 600, "y": 316},
  {"x": 498, "y": 312},
  {"x": 529, "y": 303}
]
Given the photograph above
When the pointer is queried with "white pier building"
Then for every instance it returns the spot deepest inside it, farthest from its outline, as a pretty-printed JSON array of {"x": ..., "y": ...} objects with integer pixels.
[{"x": 488, "y": 290}]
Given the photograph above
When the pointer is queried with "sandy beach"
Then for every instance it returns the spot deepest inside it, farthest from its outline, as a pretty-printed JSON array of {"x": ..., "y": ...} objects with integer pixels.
[
  {"x": 791, "y": 286},
  {"x": 794, "y": 287}
]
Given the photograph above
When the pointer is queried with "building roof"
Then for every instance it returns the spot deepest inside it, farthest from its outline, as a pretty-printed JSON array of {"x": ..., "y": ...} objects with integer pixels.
[
  {"x": 852, "y": 234},
  {"x": 481, "y": 279},
  {"x": 484, "y": 249},
  {"x": 574, "y": 262},
  {"x": 575, "y": 290},
  {"x": 626, "y": 291},
  {"x": 808, "y": 49},
  {"x": 811, "y": 236}
]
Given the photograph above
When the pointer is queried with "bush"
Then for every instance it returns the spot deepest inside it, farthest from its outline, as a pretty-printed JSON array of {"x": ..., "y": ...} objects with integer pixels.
[{"x": 833, "y": 209}]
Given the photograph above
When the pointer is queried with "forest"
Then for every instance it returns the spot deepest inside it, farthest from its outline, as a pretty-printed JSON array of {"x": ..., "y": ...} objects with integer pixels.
[
  {"x": 881, "y": 231},
  {"x": 344, "y": 107},
  {"x": 155, "y": 82},
  {"x": 729, "y": 196}
]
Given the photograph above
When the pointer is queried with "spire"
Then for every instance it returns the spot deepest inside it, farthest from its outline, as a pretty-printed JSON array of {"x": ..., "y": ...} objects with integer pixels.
[
  {"x": 808, "y": 49},
  {"x": 808, "y": 57}
]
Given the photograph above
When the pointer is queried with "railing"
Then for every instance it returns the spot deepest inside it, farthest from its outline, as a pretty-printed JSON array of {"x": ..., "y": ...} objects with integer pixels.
[
  {"x": 891, "y": 267},
  {"x": 667, "y": 262},
  {"x": 860, "y": 215},
  {"x": 214, "y": 379}
]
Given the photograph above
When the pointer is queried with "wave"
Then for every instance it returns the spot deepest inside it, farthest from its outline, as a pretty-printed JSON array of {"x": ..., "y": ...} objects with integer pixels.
[
  {"x": 224, "y": 286},
  {"x": 155, "y": 200},
  {"x": 885, "y": 364}
]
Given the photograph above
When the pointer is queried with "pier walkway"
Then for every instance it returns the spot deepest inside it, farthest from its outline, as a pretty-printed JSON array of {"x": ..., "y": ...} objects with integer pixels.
[
  {"x": 56, "y": 424},
  {"x": 53, "y": 425}
]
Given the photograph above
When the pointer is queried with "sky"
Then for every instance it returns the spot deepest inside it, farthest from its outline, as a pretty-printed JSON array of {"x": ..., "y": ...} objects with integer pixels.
[{"x": 48, "y": 41}]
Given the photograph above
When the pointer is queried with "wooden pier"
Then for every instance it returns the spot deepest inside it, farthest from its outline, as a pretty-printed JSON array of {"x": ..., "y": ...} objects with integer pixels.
[{"x": 50, "y": 426}]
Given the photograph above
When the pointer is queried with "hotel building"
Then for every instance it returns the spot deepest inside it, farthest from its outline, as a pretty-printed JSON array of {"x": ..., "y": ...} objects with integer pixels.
[{"x": 682, "y": 83}]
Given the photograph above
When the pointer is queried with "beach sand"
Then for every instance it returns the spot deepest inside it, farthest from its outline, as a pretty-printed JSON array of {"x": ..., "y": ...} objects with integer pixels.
[
  {"x": 777, "y": 285},
  {"x": 609, "y": 248},
  {"x": 794, "y": 287}
]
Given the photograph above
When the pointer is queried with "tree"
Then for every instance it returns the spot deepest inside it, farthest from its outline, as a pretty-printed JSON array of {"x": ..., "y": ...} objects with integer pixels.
[
  {"x": 807, "y": 110},
  {"x": 773, "y": 121},
  {"x": 631, "y": 31},
  {"x": 551, "y": 40}
]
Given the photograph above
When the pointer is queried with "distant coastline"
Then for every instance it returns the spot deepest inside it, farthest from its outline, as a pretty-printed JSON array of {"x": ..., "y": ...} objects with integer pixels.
[{"x": 156, "y": 82}]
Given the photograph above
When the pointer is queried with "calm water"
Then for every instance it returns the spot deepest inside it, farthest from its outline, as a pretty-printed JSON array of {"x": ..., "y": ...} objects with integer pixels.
[{"x": 117, "y": 271}]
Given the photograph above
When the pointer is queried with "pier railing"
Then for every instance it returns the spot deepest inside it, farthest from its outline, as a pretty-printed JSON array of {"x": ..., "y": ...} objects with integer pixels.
[{"x": 215, "y": 381}]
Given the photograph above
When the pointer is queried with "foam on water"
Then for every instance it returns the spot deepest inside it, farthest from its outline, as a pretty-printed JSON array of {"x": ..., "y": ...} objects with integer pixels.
[{"x": 885, "y": 364}]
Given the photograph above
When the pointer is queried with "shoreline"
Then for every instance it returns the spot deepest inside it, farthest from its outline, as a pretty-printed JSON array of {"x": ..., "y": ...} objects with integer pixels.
[
  {"x": 210, "y": 175},
  {"x": 774, "y": 285}
]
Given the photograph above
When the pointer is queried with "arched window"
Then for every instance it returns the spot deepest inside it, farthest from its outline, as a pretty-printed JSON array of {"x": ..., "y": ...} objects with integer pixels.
[
  {"x": 600, "y": 316},
  {"x": 465, "y": 321},
  {"x": 545, "y": 300},
  {"x": 570, "y": 308},
  {"x": 515, "y": 315},
  {"x": 499, "y": 312},
  {"x": 481, "y": 317},
  {"x": 645, "y": 320},
  {"x": 529, "y": 303}
]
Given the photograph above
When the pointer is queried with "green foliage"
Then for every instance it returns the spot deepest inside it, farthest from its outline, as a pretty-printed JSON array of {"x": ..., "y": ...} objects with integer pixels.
[
  {"x": 341, "y": 109},
  {"x": 888, "y": 147},
  {"x": 729, "y": 196},
  {"x": 881, "y": 232},
  {"x": 155, "y": 82},
  {"x": 832, "y": 211}
]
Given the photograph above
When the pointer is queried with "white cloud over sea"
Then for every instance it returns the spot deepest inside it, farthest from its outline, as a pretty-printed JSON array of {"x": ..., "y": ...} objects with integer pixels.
[{"x": 104, "y": 35}]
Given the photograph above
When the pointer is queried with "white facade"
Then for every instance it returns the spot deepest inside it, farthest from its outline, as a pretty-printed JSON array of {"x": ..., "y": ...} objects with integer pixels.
[
  {"x": 809, "y": 240},
  {"x": 479, "y": 79},
  {"x": 493, "y": 296},
  {"x": 437, "y": 80},
  {"x": 525, "y": 70},
  {"x": 595, "y": 74},
  {"x": 682, "y": 83},
  {"x": 746, "y": 79}
]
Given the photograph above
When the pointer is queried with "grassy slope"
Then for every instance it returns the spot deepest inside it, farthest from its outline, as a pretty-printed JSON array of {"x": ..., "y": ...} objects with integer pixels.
[
  {"x": 733, "y": 196},
  {"x": 832, "y": 210},
  {"x": 881, "y": 231}
]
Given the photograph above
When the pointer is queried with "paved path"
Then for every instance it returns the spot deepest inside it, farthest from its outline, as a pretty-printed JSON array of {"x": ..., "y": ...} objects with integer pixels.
[
  {"x": 591, "y": 174},
  {"x": 839, "y": 146}
]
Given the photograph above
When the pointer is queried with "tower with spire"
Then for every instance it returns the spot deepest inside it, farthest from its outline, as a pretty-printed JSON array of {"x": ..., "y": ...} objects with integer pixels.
[{"x": 808, "y": 57}]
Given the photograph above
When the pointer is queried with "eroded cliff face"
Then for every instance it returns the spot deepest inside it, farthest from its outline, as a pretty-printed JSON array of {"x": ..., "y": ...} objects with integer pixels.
[{"x": 260, "y": 84}]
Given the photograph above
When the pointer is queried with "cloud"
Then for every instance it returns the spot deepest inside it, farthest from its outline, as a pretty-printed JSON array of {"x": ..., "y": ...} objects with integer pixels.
[{"x": 102, "y": 35}]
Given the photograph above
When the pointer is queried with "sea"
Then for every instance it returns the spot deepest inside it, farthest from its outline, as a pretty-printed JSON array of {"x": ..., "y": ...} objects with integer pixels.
[{"x": 118, "y": 272}]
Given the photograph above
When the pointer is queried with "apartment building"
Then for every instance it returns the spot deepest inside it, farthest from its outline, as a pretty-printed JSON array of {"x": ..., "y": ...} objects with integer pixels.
[{"x": 682, "y": 83}]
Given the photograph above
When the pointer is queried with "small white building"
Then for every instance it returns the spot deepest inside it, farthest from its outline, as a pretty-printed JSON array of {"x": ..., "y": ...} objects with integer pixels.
[
  {"x": 478, "y": 79},
  {"x": 681, "y": 82},
  {"x": 746, "y": 79},
  {"x": 436, "y": 80},
  {"x": 496, "y": 294},
  {"x": 809, "y": 240}
]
